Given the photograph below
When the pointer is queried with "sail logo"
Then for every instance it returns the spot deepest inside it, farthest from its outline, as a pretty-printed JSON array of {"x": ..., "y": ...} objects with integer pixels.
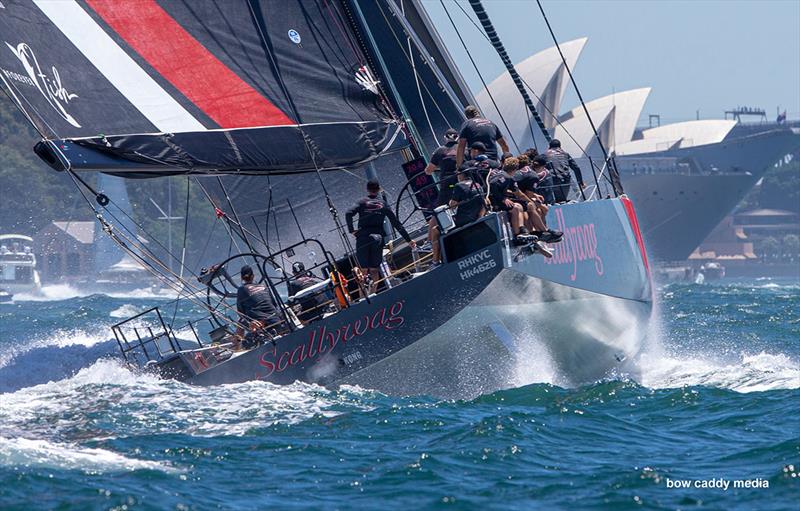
[
  {"x": 294, "y": 36},
  {"x": 48, "y": 84},
  {"x": 579, "y": 245}
]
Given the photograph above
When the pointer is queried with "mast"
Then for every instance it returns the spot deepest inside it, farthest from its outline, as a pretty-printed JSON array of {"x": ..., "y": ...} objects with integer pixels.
[{"x": 370, "y": 49}]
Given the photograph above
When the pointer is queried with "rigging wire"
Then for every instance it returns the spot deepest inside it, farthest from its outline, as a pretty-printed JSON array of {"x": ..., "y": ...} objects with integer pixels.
[
  {"x": 407, "y": 127},
  {"x": 185, "y": 224},
  {"x": 538, "y": 98},
  {"x": 128, "y": 244},
  {"x": 409, "y": 58},
  {"x": 335, "y": 214},
  {"x": 344, "y": 33},
  {"x": 477, "y": 7},
  {"x": 123, "y": 240},
  {"x": 480, "y": 75},
  {"x": 9, "y": 92},
  {"x": 612, "y": 166},
  {"x": 416, "y": 78},
  {"x": 239, "y": 224},
  {"x": 183, "y": 248}
]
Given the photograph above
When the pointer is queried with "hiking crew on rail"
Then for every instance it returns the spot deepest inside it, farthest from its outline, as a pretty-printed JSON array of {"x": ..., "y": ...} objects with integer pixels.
[{"x": 471, "y": 181}]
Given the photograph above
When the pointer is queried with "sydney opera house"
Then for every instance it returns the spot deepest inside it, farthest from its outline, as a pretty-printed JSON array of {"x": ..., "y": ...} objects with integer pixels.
[{"x": 684, "y": 177}]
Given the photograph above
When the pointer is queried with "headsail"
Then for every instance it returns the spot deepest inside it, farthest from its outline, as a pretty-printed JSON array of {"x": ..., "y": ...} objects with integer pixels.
[{"x": 153, "y": 87}]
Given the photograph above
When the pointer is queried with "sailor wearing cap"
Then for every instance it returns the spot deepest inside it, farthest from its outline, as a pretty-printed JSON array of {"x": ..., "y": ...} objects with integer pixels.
[{"x": 478, "y": 129}]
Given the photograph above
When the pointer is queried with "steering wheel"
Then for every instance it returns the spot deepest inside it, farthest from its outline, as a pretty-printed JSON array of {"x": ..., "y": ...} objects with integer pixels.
[
  {"x": 407, "y": 189},
  {"x": 220, "y": 287}
]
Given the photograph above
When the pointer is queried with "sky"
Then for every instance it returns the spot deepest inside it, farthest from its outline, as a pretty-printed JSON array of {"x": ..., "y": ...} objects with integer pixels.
[{"x": 706, "y": 55}]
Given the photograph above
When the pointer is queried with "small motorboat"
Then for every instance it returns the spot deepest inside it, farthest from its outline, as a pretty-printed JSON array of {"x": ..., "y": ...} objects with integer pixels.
[{"x": 5, "y": 296}]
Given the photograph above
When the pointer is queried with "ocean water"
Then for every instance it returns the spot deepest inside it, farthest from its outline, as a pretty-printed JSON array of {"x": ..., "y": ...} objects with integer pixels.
[{"x": 713, "y": 400}]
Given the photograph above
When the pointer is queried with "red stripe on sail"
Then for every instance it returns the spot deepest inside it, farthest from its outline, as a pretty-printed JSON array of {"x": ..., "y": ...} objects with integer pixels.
[{"x": 188, "y": 65}]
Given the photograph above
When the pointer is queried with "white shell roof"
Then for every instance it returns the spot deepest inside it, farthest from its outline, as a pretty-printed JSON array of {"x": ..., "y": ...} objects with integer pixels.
[
  {"x": 545, "y": 74},
  {"x": 678, "y": 135},
  {"x": 615, "y": 117}
]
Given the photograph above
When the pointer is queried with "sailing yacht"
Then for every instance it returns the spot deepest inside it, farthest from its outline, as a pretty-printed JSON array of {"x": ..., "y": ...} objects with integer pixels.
[{"x": 291, "y": 111}]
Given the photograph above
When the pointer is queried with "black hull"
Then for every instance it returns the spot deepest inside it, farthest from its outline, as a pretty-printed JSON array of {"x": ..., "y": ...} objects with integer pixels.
[{"x": 466, "y": 326}]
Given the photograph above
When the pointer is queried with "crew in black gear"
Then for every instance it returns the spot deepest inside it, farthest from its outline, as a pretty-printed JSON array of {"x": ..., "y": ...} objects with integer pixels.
[
  {"x": 561, "y": 163},
  {"x": 478, "y": 129},
  {"x": 501, "y": 188},
  {"x": 256, "y": 308},
  {"x": 371, "y": 211},
  {"x": 310, "y": 304},
  {"x": 468, "y": 198},
  {"x": 443, "y": 159},
  {"x": 479, "y": 165},
  {"x": 527, "y": 180}
]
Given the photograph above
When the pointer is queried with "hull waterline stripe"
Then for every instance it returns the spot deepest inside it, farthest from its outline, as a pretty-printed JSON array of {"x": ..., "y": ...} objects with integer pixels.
[
  {"x": 123, "y": 72},
  {"x": 188, "y": 65}
]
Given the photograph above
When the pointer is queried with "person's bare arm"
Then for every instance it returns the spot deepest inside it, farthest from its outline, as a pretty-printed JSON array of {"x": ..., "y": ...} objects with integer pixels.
[
  {"x": 521, "y": 196},
  {"x": 430, "y": 168},
  {"x": 503, "y": 144},
  {"x": 462, "y": 145}
]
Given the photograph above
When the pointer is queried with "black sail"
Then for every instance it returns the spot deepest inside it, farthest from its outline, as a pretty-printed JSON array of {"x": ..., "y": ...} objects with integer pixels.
[
  {"x": 159, "y": 87},
  {"x": 424, "y": 86}
]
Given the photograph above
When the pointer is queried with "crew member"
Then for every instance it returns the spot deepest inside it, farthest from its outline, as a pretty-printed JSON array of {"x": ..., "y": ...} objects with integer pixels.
[
  {"x": 561, "y": 162},
  {"x": 479, "y": 165},
  {"x": 310, "y": 305},
  {"x": 257, "y": 310},
  {"x": 478, "y": 129},
  {"x": 442, "y": 160},
  {"x": 468, "y": 200},
  {"x": 371, "y": 211},
  {"x": 528, "y": 179},
  {"x": 545, "y": 185},
  {"x": 502, "y": 188}
]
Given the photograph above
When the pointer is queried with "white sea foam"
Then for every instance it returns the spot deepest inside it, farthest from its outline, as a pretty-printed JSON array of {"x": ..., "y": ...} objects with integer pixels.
[
  {"x": 124, "y": 311},
  {"x": 57, "y": 339},
  {"x": 48, "y": 425},
  {"x": 749, "y": 373},
  {"x": 57, "y": 292},
  {"x": 27, "y": 452},
  {"x": 145, "y": 292},
  {"x": 142, "y": 403},
  {"x": 662, "y": 366},
  {"x": 51, "y": 293}
]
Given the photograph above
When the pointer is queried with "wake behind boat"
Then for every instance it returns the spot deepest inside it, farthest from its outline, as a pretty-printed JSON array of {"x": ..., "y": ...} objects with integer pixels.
[{"x": 413, "y": 327}]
